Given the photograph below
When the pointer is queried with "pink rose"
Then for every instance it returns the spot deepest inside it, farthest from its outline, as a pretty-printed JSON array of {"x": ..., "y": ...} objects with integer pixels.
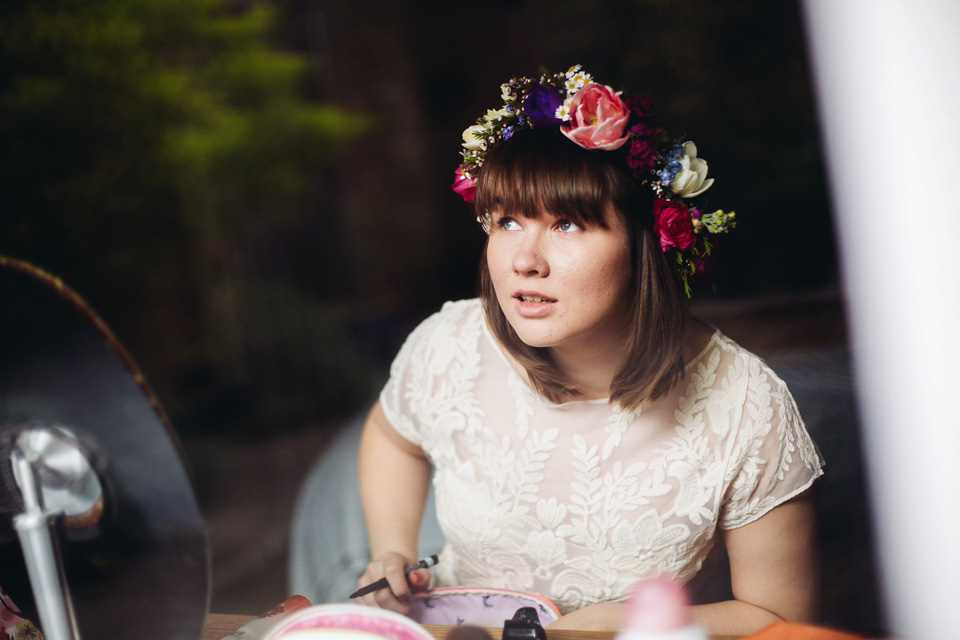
[
  {"x": 598, "y": 118},
  {"x": 671, "y": 221},
  {"x": 463, "y": 185}
]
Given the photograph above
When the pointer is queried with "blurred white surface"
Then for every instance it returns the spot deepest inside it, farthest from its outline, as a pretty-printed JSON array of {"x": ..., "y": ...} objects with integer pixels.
[{"x": 888, "y": 77}]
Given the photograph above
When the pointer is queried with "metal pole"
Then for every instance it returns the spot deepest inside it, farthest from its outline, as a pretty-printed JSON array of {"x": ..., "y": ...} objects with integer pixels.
[{"x": 35, "y": 529}]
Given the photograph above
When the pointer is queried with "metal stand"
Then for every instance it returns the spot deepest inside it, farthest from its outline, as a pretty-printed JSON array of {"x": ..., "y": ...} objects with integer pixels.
[{"x": 40, "y": 552}]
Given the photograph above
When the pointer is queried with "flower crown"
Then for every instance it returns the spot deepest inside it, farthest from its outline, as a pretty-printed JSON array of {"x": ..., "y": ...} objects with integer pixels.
[{"x": 595, "y": 117}]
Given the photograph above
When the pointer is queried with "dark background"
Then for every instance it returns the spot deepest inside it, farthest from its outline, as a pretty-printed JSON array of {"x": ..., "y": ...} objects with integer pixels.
[{"x": 255, "y": 196}]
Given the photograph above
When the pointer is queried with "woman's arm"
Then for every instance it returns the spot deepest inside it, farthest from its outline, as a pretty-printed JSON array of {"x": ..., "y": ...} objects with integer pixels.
[
  {"x": 773, "y": 571},
  {"x": 394, "y": 476}
]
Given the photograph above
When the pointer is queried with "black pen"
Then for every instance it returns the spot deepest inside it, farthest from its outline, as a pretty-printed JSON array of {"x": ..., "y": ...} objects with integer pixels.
[{"x": 426, "y": 563}]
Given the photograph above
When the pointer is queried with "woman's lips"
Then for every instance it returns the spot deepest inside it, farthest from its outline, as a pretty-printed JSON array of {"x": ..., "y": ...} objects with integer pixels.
[
  {"x": 533, "y": 298},
  {"x": 531, "y": 304}
]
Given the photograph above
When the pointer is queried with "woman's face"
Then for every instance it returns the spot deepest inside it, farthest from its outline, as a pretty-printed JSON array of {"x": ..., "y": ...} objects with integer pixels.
[{"x": 561, "y": 285}]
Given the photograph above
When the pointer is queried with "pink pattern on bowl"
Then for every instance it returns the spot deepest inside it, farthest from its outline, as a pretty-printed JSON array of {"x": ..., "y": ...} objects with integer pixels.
[{"x": 477, "y": 606}]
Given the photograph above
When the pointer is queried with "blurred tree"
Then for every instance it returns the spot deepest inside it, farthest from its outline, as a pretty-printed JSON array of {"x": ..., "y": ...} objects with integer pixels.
[{"x": 151, "y": 153}]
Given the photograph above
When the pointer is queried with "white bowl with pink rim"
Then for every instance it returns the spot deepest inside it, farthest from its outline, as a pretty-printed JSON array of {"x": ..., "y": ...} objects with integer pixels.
[{"x": 346, "y": 622}]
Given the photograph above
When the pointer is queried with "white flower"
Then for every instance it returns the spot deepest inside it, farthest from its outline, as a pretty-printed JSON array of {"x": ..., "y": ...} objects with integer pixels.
[
  {"x": 507, "y": 93},
  {"x": 577, "y": 79},
  {"x": 563, "y": 111},
  {"x": 473, "y": 137},
  {"x": 495, "y": 115},
  {"x": 692, "y": 179}
]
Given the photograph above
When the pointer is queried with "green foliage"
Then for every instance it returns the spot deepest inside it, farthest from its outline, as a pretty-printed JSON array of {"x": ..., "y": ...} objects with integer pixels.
[{"x": 143, "y": 145}]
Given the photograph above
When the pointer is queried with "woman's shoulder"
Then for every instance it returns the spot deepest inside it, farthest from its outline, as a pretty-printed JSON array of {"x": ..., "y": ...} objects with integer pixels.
[
  {"x": 461, "y": 308},
  {"x": 454, "y": 319},
  {"x": 723, "y": 351},
  {"x": 445, "y": 347},
  {"x": 453, "y": 316}
]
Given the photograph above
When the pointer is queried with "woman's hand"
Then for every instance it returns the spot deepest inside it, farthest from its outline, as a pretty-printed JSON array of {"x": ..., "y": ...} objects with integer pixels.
[{"x": 402, "y": 586}]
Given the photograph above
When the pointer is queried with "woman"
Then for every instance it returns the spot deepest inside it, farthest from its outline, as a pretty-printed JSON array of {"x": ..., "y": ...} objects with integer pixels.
[{"x": 582, "y": 430}]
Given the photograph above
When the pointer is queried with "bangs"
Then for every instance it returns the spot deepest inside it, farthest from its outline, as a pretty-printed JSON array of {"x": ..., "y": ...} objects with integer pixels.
[{"x": 541, "y": 170}]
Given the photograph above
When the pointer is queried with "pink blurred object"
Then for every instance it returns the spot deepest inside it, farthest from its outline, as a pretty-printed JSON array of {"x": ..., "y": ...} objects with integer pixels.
[{"x": 659, "y": 609}]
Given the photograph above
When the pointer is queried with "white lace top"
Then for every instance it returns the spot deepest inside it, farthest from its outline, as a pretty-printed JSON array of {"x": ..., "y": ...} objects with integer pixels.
[{"x": 576, "y": 501}]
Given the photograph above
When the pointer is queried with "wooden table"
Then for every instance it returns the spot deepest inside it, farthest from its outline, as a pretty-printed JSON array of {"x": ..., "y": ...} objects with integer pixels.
[{"x": 219, "y": 625}]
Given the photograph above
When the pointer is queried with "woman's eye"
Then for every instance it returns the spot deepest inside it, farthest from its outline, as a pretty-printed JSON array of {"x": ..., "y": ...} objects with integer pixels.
[
  {"x": 508, "y": 224},
  {"x": 568, "y": 227}
]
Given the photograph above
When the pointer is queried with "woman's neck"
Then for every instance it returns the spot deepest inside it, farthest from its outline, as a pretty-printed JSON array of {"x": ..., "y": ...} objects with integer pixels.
[{"x": 592, "y": 365}]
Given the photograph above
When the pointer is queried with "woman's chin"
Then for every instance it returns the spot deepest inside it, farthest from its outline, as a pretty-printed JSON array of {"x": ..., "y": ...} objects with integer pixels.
[{"x": 535, "y": 338}]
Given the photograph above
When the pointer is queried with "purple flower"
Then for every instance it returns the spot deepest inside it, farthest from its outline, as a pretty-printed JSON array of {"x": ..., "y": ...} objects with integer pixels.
[{"x": 541, "y": 106}]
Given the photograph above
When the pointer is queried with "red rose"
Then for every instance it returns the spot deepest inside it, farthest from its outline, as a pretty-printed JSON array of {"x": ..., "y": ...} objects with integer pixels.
[{"x": 671, "y": 221}]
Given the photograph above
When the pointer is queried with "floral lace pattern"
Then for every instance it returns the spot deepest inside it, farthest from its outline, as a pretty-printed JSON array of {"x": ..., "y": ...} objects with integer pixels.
[{"x": 576, "y": 501}]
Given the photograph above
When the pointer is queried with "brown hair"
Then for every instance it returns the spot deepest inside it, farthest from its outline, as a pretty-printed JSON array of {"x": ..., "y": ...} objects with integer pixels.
[{"x": 540, "y": 170}]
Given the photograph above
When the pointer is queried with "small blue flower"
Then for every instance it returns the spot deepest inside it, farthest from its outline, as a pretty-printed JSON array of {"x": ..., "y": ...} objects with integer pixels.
[{"x": 669, "y": 173}]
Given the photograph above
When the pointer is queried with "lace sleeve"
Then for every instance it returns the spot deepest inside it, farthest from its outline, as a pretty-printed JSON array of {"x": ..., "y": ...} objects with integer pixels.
[
  {"x": 399, "y": 395},
  {"x": 773, "y": 458}
]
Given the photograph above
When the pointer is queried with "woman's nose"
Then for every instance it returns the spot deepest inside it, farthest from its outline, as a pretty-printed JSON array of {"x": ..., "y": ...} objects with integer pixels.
[{"x": 529, "y": 257}]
